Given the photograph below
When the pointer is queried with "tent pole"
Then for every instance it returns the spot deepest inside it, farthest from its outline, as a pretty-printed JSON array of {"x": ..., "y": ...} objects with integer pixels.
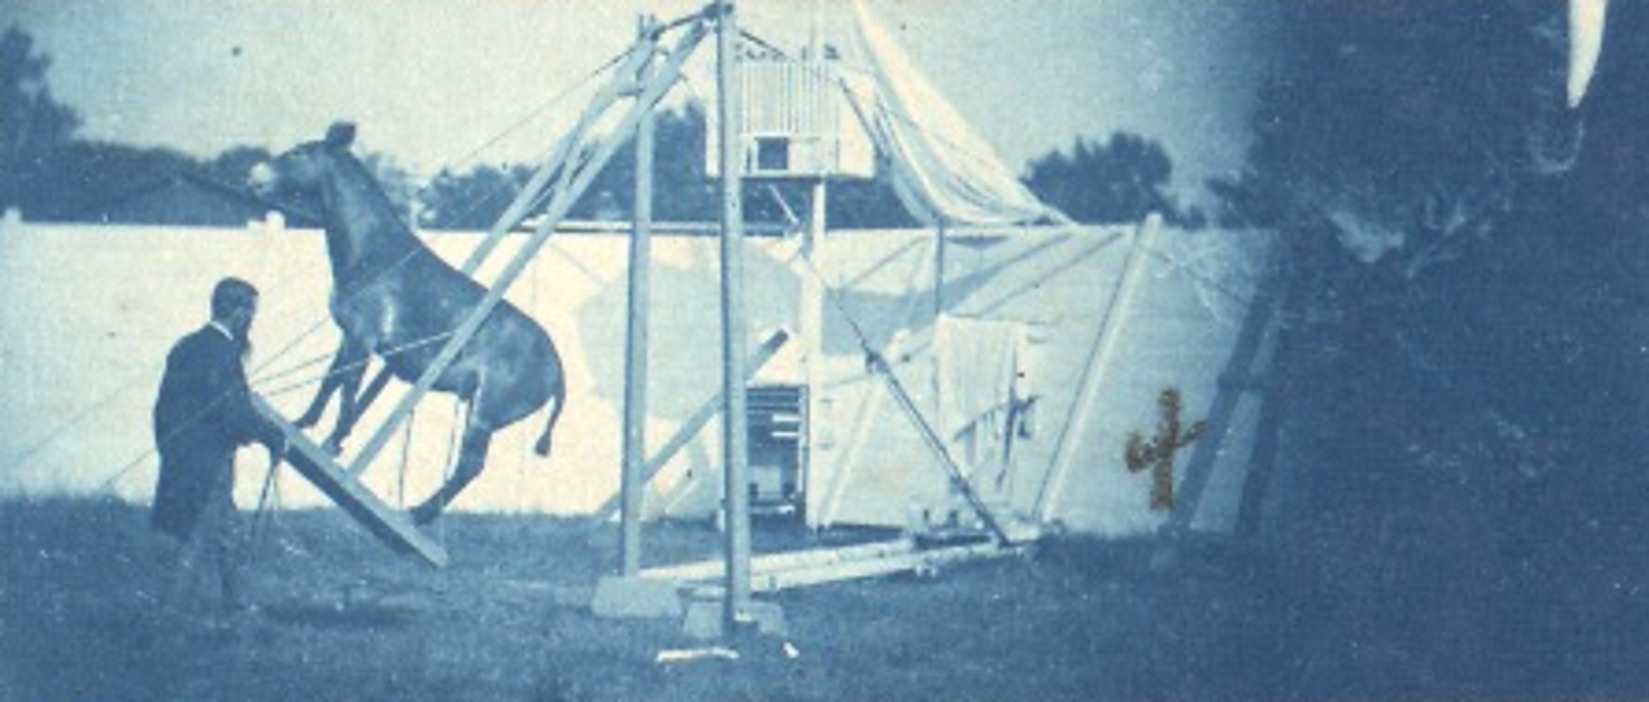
[{"x": 1093, "y": 373}]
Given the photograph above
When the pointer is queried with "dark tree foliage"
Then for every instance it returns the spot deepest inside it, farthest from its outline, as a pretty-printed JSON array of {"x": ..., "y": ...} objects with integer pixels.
[
  {"x": 680, "y": 190},
  {"x": 50, "y": 174},
  {"x": 80, "y": 175},
  {"x": 855, "y": 203},
  {"x": 1120, "y": 180},
  {"x": 1463, "y": 355},
  {"x": 1404, "y": 128},
  {"x": 471, "y": 200},
  {"x": 33, "y": 125},
  {"x": 232, "y": 166}
]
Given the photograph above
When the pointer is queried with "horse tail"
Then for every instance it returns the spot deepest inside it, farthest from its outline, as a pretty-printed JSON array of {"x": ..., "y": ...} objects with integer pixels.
[{"x": 558, "y": 395}]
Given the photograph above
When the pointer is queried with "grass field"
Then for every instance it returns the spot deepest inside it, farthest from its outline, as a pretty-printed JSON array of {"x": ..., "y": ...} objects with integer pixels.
[{"x": 343, "y": 619}]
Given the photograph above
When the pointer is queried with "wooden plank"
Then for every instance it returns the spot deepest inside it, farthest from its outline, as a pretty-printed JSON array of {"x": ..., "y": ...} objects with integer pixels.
[
  {"x": 772, "y": 562},
  {"x": 390, "y": 525},
  {"x": 784, "y": 571},
  {"x": 917, "y": 562}
]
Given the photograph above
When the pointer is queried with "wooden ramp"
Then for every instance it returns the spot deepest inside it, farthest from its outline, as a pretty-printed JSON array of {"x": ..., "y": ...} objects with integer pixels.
[{"x": 390, "y": 525}]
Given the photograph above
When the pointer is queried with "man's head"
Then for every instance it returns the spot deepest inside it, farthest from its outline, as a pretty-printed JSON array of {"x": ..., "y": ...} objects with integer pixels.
[{"x": 234, "y": 303}]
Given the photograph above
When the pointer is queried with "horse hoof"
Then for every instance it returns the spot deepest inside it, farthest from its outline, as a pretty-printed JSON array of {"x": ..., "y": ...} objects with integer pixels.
[
  {"x": 333, "y": 447},
  {"x": 306, "y": 422},
  {"x": 422, "y": 515}
]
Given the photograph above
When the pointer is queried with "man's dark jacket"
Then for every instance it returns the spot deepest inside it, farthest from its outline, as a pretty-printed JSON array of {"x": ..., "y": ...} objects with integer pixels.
[{"x": 203, "y": 414}]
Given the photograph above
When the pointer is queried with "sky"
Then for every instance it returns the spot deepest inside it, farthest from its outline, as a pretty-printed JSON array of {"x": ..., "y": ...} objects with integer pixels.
[{"x": 454, "y": 82}]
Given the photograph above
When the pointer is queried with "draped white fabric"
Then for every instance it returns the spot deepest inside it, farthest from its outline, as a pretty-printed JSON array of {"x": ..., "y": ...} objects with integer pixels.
[{"x": 944, "y": 173}]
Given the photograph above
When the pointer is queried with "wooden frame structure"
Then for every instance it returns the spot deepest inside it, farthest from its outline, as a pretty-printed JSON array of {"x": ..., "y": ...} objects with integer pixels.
[
  {"x": 561, "y": 178},
  {"x": 644, "y": 75}
]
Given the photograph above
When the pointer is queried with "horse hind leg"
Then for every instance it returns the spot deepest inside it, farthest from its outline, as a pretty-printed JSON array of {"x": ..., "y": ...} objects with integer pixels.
[{"x": 472, "y": 457}]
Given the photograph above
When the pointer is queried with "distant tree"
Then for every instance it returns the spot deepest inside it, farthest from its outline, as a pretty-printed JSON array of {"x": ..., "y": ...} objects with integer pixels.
[
  {"x": 473, "y": 199},
  {"x": 396, "y": 182},
  {"x": 856, "y": 203},
  {"x": 1120, "y": 180},
  {"x": 83, "y": 174},
  {"x": 33, "y": 125},
  {"x": 232, "y": 165},
  {"x": 682, "y": 190}
]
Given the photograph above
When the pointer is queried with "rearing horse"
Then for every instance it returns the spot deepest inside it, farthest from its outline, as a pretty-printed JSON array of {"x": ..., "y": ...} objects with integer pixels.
[{"x": 395, "y": 299}]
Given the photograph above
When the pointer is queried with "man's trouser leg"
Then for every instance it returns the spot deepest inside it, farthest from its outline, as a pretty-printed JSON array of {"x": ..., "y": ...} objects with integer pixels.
[{"x": 221, "y": 534}]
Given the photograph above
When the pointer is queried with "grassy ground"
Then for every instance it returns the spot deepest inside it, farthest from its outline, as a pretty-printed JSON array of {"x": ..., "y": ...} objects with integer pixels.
[{"x": 509, "y": 620}]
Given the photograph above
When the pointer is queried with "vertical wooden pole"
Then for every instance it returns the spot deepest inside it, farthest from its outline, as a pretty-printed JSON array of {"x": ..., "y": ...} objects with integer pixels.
[
  {"x": 734, "y": 437},
  {"x": 811, "y": 319},
  {"x": 631, "y": 483}
]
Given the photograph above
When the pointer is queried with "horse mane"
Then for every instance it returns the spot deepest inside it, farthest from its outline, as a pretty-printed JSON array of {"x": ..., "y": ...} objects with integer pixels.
[{"x": 377, "y": 199}]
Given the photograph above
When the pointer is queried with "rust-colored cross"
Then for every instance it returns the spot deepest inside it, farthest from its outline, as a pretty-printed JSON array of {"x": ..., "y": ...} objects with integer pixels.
[{"x": 1158, "y": 453}]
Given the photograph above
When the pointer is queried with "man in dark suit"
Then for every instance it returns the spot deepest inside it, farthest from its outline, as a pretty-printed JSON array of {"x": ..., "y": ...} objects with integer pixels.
[{"x": 203, "y": 414}]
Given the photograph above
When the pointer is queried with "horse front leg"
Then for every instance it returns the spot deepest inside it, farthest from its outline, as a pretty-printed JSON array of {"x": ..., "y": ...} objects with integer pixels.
[
  {"x": 357, "y": 407},
  {"x": 348, "y": 369},
  {"x": 329, "y": 386}
]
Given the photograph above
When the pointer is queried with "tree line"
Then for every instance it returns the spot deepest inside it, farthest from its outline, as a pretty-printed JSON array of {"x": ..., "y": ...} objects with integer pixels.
[{"x": 50, "y": 173}]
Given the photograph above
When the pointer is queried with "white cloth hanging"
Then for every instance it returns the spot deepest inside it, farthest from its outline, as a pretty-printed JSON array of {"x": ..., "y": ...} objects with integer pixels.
[{"x": 943, "y": 172}]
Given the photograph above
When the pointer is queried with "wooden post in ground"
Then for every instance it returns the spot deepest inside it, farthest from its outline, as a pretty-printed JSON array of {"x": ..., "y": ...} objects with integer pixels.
[
  {"x": 635, "y": 345},
  {"x": 735, "y": 467}
]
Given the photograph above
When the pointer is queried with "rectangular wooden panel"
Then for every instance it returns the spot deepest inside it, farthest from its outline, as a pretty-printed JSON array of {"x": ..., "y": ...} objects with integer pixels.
[{"x": 390, "y": 525}]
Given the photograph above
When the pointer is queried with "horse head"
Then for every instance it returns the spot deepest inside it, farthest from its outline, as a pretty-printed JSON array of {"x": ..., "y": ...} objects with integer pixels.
[
  {"x": 324, "y": 180},
  {"x": 302, "y": 171}
]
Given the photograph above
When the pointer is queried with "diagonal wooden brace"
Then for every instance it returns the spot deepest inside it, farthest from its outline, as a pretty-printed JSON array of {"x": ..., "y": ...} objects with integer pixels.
[{"x": 696, "y": 422}]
